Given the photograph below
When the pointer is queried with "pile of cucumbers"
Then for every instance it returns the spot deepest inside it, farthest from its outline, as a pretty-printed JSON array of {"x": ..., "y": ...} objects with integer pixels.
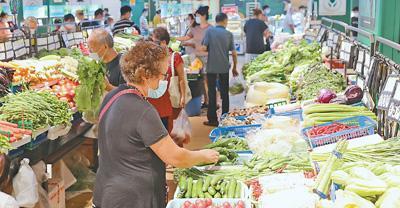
[{"x": 209, "y": 187}]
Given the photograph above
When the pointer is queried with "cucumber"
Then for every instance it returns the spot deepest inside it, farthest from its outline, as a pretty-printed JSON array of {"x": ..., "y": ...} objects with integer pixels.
[
  {"x": 182, "y": 183},
  {"x": 232, "y": 189},
  {"x": 215, "y": 180},
  {"x": 222, "y": 158},
  {"x": 225, "y": 195},
  {"x": 194, "y": 190},
  {"x": 211, "y": 191},
  {"x": 238, "y": 191},
  {"x": 199, "y": 188},
  {"x": 208, "y": 196},
  {"x": 206, "y": 183},
  {"x": 189, "y": 188},
  {"x": 217, "y": 187},
  {"x": 217, "y": 195},
  {"x": 223, "y": 185}
]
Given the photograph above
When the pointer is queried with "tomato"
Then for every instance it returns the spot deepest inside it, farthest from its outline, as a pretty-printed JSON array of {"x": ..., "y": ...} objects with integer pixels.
[
  {"x": 240, "y": 204},
  {"x": 187, "y": 204},
  {"x": 200, "y": 203},
  {"x": 13, "y": 139},
  {"x": 226, "y": 205},
  {"x": 208, "y": 202}
]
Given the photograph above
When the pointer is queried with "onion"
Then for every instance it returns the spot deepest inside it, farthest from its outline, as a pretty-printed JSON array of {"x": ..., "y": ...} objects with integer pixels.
[
  {"x": 325, "y": 96},
  {"x": 354, "y": 94}
]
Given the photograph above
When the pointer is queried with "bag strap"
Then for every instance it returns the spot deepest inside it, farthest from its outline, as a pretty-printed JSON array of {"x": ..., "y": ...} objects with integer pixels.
[
  {"x": 115, "y": 97},
  {"x": 173, "y": 64}
]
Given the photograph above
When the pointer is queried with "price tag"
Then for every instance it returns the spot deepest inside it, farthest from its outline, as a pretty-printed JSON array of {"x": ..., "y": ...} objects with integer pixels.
[
  {"x": 360, "y": 82},
  {"x": 20, "y": 52},
  {"x": 52, "y": 46},
  {"x": 360, "y": 61},
  {"x": 387, "y": 92},
  {"x": 41, "y": 41},
  {"x": 10, "y": 54},
  {"x": 65, "y": 40},
  {"x": 50, "y": 40},
  {"x": 370, "y": 70},
  {"x": 2, "y": 56},
  {"x": 345, "y": 51},
  {"x": 394, "y": 105},
  {"x": 18, "y": 44},
  {"x": 330, "y": 39}
]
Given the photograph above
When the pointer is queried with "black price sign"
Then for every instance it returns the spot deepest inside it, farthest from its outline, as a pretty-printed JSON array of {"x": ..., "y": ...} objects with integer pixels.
[
  {"x": 394, "y": 106},
  {"x": 387, "y": 93}
]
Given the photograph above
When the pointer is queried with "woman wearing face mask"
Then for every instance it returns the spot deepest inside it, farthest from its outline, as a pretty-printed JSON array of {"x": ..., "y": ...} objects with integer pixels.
[
  {"x": 189, "y": 45},
  {"x": 134, "y": 146},
  {"x": 161, "y": 98},
  {"x": 196, "y": 34}
]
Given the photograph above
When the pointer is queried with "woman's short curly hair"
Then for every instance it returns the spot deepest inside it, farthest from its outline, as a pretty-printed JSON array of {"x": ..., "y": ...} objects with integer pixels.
[{"x": 142, "y": 60}]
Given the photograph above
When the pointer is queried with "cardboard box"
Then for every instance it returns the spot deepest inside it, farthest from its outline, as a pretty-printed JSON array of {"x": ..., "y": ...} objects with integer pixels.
[
  {"x": 60, "y": 170},
  {"x": 56, "y": 193}
]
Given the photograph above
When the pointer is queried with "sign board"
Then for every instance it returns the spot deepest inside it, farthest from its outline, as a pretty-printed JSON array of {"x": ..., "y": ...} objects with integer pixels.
[
  {"x": 360, "y": 61},
  {"x": 230, "y": 9},
  {"x": 332, "y": 7},
  {"x": 345, "y": 51},
  {"x": 387, "y": 92},
  {"x": 394, "y": 106}
]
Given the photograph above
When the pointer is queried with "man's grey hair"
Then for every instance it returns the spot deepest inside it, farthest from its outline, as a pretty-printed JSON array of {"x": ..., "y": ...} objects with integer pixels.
[{"x": 101, "y": 35}]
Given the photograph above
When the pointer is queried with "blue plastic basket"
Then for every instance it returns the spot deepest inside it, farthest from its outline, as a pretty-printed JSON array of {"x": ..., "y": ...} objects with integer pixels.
[
  {"x": 296, "y": 114},
  {"x": 239, "y": 152},
  {"x": 240, "y": 118},
  {"x": 366, "y": 126},
  {"x": 239, "y": 131}
]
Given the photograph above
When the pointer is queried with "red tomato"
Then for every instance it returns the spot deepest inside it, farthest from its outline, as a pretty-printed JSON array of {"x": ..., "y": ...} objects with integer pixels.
[
  {"x": 226, "y": 205},
  {"x": 187, "y": 204},
  {"x": 208, "y": 202}
]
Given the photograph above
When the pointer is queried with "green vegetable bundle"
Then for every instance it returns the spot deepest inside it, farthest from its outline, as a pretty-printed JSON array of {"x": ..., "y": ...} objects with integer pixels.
[
  {"x": 41, "y": 108},
  {"x": 236, "y": 144},
  {"x": 91, "y": 87},
  {"x": 277, "y": 67},
  {"x": 75, "y": 52},
  {"x": 4, "y": 144},
  {"x": 209, "y": 187},
  {"x": 318, "y": 77},
  {"x": 316, "y": 114}
]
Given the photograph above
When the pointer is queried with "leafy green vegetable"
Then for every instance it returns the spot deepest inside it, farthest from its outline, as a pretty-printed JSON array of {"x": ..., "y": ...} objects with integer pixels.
[
  {"x": 91, "y": 87},
  {"x": 277, "y": 67}
]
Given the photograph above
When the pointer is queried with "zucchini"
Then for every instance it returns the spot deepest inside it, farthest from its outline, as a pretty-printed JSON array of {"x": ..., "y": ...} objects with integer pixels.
[
  {"x": 217, "y": 195},
  {"x": 211, "y": 191},
  {"x": 208, "y": 196},
  {"x": 182, "y": 183},
  {"x": 189, "y": 187},
  {"x": 232, "y": 189},
  {"x": 223, "y": 185},
  {"x": 199, "y": 188},
  {"x": 238, "y": 191},
  {"x": 215, "y": 180},
  {"x": 206, "y": 183},
  {"x": 194, "y": 190}
]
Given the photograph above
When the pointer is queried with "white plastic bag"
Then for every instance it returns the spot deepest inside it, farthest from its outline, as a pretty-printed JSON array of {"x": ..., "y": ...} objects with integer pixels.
[
  {"x": 7, "y": 201},
  {"x": 182, "y": 130},
  {"x": 25, "y": 185}
]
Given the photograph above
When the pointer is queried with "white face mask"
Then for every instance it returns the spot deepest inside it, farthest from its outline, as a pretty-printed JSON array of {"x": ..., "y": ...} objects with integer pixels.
[
  {"x": 267, "y": 11},
  {"x": 94, "y": 56},
  {"x": 160, "y": 91},
  {"x": 354, "y": 14},
  {"x": 198, "y": 20}
]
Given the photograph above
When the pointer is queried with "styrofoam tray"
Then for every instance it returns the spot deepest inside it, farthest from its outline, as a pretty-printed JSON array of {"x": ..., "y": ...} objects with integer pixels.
[
  {"x": 177, "y": 203},
  {"x": 244, "y": 194}
]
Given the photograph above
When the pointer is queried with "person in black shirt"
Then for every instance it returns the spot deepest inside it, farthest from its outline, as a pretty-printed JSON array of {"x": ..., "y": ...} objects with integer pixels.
[
  {"x": 125, "y": 21},
  {"x": 354, "y": 19},
  {"x": 255, "y": 30},
  {"x": 101, "y": 43}
]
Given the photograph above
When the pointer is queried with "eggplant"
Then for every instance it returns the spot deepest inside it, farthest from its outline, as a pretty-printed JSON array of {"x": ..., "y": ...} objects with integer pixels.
[{"x": 354, "y": 94}]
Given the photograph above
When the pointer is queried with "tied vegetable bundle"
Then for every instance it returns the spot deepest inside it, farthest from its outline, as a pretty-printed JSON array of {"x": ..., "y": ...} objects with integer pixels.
[
  {"x": 277, "y": 67},
  {"x": 91, "y": 86},
  {"x": 41, "y": 108},
  {"x": 4, "y": 144},
  {"x": 316, "y": 114}
]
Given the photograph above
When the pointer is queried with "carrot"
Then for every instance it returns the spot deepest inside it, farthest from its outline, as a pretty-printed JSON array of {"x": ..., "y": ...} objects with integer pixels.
[{"x": 9, "y": 124}]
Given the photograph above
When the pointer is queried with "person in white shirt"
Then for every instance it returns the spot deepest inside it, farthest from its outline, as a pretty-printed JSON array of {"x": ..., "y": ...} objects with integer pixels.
[
  {"x": 144, "y": 26},
  {"x": 288, "y": 25}
]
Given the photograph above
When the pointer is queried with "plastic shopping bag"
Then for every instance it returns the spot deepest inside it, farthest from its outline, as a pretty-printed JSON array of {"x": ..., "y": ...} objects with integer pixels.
[
  {"x": 236, "y": 86},
  {"x": 25, "y": 185},
  {"x": 182, "y": 130},
  {"x": 7, "y": 201}
]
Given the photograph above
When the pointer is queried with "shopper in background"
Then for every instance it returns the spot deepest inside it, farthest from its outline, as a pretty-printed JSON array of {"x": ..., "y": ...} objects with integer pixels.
[
  {"x": 354, "y": 19},
  {"x": 5, "y": 32},
  {"x": 57, "y": 23},
  {"x": 69, "y": 24},
  {"x": 101, "y": 43},
  {"x": 109, "y": 22},
  {"x": 266, "y": 11},
  {"x": 106, "y": 13},
  {"x": 162, "y": 101},
  {"x": 219, "y": 42},
  {"x": 189, "y": 45},
  {"x": 98, "y": 18},
  {"x": 125, "y": 21},
  {"x": 256, "y": 30},
  {"x": 157, "y": 18},
  {"x": 144, "y": 25},
  {"x": 134, "y": 145},
  {"x": 81, "y": 20},
  {"x": 288, "y": 24},
  {"x": 196, "y": 35}
]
